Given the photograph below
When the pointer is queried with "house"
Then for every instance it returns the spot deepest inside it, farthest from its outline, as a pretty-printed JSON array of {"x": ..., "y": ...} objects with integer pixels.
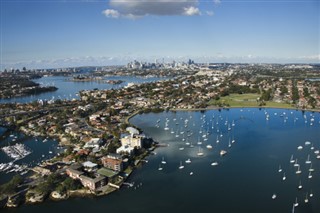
[
  {"x": 125, "y": 149},
  {"x": 113, "y": 161},
  {"x": 93, "y": 143},
  {"x": 73, "y": 173},
  {"x": 93, "y": 183},
  {"x": 131, "y": 141},
  {"x": 89, "y": 166}
]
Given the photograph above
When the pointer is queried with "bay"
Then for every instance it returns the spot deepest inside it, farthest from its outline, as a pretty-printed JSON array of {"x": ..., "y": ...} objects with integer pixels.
[
  {"x": 67, "y": 89},
  {"x": 244, "y": 179}
]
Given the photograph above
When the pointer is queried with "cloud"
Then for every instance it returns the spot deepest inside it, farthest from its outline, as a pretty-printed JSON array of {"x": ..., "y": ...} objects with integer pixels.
[
  {"x": 111, "y": 13},
  {"x": 216, "y": 1},
  {"x": 191, "y": 11},
  {"x": 210, "y": 13},
  {"x": 139, "y": 8}
]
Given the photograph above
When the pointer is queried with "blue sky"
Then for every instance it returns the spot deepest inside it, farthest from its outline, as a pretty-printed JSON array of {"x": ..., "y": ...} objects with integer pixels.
[{"x": 44, "y": 34}]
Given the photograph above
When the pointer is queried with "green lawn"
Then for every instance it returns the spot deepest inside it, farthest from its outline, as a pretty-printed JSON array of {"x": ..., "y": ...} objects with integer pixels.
[{"x": 246, "y": 100}]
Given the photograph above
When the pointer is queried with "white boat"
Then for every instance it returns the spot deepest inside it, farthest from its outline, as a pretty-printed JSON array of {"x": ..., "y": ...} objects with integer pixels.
[
  {"x": 316, "y": 152},
  {"x": 306, "y": 200},
  {"x": 274, "y": 196},
  {"x": 200, "y": 153},
  {"x": 181, "y": 148},
  {"x": 163, "y": 161},
  {"x": 291, "y": 159},
  {"x": 214, "y": 163},
  {"x": 188, "y": 161},
  {"x": 280, "y": 169},
  {"x": 296, "y": 164},
  {"x": 308, "y": 161},
  {"x": 307, "y": 143},
  {"x": 223, "y": 152},
  {"x": 298, "y": 171},
  {"x": 229, "y": 145},
  {"x": 300, "y": 185},
  {"x": 181, "y": 166},
  {"x": 300, "y": 147},
  {"x": 160, "y": 168},
  {"x": 191, "y": 173},
  {"x": 296, "y": 202},
  {"x": 311, "y": 169},
  {"x": 209, "y": 146},
  {"x": 310, "y": 175},
  {"x": 284, "y": 176},
  {"x": 311, "y": 194}
]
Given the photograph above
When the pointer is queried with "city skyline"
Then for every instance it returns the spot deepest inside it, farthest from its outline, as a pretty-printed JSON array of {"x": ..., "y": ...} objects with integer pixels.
[{"x": 51, "y": 34}]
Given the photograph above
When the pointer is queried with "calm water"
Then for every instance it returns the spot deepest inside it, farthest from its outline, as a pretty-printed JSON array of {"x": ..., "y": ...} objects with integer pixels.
[
  {"x": 245, "y": 179},
  {"x": 68, "y": 89},
  {"x": 39, "y": 146}
]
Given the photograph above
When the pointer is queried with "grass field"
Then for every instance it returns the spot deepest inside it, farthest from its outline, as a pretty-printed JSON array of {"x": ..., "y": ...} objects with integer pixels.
[{"x": 246, "y": 100}]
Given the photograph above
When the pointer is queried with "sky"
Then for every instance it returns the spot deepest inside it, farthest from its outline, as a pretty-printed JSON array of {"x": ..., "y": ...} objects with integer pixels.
[{"x": 67, "y": 33}]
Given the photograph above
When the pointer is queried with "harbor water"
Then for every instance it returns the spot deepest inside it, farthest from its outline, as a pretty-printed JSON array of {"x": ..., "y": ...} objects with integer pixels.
[{"x": 248, "y": 178}]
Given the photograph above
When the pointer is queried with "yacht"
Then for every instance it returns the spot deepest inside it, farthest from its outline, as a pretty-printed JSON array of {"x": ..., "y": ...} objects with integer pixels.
[
  {"x": 191, "y": 173},
  {"x": 217, "y": 139},
  {"x": 160, "y": 168},
  {"x": 229, "y": 145},
  {"x": 163, "y": 161},
  {"x": 274, "y": 196},
  {"x": 300, "y": 147},
  {"x": 291, "y": 159},
  {"x": 310, "y": 175},
  {"x": 296, "y": 202},
  {"x": 300, "y": 185},
  {"x": 307, "y": 143},
  {"x": 209, "y": 146},
  {"x": 311, "y": 169},
  {"x": 306, "y": 200},
  {"x": 311, "y": 194},
  {"x": 214, "y": 163},
  {"x": 284, "y": 176},
  {"x": 223, "y": 152},
  {"x": 200, "y": 153},
  {"x": 296, "y": 163},
  {"x": 308, "y": 161},
  {"x": 181, "y": 148},
  {"x": 181, "y": 166},
  {"x": 188, "y": 161},
  {"x": 298, "y": 171},
  {"x": 280, "y": 169}
]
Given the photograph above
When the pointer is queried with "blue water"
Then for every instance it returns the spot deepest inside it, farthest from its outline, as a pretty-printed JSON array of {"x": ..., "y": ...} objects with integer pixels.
[
  {"x": 38, "y": 145},
  {"x": 68, "y": 89},
  {"x": 245, "y": 179}
]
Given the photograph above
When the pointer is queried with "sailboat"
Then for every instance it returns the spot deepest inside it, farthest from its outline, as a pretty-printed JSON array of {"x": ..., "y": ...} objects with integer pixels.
[
  {"x": 200, "y": 153},
  {"x": 306, "y": 200},
  {"x": 311, "y": 169},
  {"x": 181, "y": 166},
  {"x": 296, "y": 163},
  {"x": 298, "y": 171},
  {"x": 284, "y": 176},
  {"x": 274, "y": 196},
  {"x": 209, "y": 146},
  {"x": 308, "y": 161},
  {"x": 291, "y": 159},
  {"x": 160, "y": 168},
  {"x": 223, "y": 152},
  {"x": 163, "y": 161},
  {"x": 217, "y": 139},
  {"x": 300, "y": 185},
  {"x": 199, "y": 141},
  {"x": 280, "y": 169},
  {"x": 311, "y": 194},
  {"x": 188, "y": 161},
  {"x": 296, "y": 202},
  {"x": 214, "y": 163},
  {"x": 310, "y": 175},
  {"x": 229, "y": 145}
]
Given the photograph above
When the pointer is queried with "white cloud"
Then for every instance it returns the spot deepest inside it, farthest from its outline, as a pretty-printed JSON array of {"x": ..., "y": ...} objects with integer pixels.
[
  {"x": 216, "y": 1},
  {"x": 191, "y": 11},
  {"x": 139, "y": 8},
  {"x": 210, "y": 13},
  {"x": 111, "y": 13}
]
